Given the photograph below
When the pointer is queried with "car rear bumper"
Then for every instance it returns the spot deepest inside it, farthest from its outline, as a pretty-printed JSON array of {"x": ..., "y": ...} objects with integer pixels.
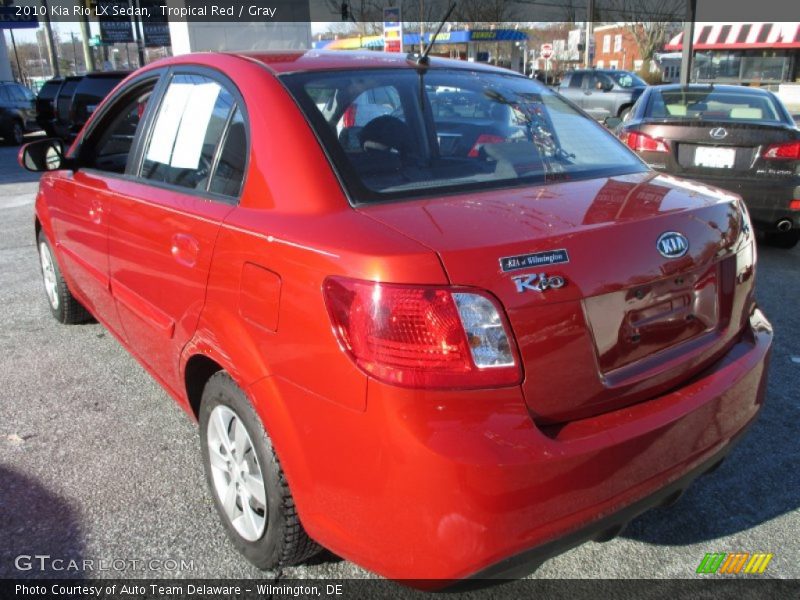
[{"x": 438, "y": 487}]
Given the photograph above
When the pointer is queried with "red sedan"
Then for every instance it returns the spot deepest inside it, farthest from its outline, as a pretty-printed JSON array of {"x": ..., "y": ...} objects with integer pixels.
[{"x": 428, "y": 315}]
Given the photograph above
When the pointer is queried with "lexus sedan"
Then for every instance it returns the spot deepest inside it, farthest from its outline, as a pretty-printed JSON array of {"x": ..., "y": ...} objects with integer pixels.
[
  {"x": 437, "y": 364},
  {"x": 737, "y": 138}
]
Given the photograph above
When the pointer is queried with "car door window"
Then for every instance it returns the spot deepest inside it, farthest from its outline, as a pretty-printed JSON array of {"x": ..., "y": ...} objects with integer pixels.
[
  {"x": 576, "y": 80},
  {"x": 16, "y": 93},
  {"x": 188, "y": 129},
  {"x": 109, "y": 144},
  {"x": 5, "y": 97}
]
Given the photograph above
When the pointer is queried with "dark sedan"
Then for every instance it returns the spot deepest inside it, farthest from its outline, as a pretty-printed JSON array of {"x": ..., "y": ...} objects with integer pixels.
[{"x": 736, "y": 138}]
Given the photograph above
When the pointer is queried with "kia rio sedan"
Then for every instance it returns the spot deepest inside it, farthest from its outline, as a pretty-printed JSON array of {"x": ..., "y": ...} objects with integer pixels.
[{"x": 440, "y": 347}]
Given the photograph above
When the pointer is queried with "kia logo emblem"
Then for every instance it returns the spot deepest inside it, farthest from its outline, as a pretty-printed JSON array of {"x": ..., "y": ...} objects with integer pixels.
[
  {"x": 672, "y": 244},
  {"x": 718, "y": 133}
]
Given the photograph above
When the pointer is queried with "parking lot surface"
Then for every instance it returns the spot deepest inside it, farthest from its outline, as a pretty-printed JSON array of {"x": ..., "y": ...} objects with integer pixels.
[{"x": 98, "y": 463}]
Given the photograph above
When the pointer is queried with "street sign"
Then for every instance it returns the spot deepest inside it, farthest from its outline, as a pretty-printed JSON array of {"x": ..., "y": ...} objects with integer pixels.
[{"x": 546, "y": 51}]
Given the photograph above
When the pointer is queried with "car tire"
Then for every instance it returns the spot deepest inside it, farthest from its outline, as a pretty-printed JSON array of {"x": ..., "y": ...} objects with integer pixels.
[
  {"x": 782, "y": 239},
  {"x": 258, "y": 513},
  {"x": 624, "y": 112},
  {"x": 15, "y": 134},
  {"x": 64, "y": 307}
]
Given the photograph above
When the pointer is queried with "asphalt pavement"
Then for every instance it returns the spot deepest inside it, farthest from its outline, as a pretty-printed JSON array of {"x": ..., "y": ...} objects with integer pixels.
[{"x": 98, "y": 463}]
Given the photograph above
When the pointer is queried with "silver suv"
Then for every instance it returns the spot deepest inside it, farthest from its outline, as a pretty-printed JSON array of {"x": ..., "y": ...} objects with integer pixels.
[{"x": 602, "y": 93}]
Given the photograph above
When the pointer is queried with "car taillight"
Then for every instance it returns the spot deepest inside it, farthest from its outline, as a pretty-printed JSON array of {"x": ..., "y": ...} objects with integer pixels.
[
  {"x": 422, "y": 336},
  {"x": 484, "y": 138},
  {"x": 349, "y": 117},
  {"x": 641, "y": 142},
  {"x": 785, "y": 151},
  {"x": 794, "y": 204}
]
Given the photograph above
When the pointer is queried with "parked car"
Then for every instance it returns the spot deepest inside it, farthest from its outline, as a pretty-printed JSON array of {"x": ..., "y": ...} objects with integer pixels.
[
  {"x": 438, "y": 366},
  {"x": 738, "y": 138},
  {"x": 602, "y": 92},
  {"x": 62, "y": 123},
  {"x": 46, "y": 105},
  {"x": 17, "y": 112},
  {"x": 88, "y": 94}
]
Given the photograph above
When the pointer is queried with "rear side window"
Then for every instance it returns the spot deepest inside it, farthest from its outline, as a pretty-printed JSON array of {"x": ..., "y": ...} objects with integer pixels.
[
  {"x": 5, "y": 96},
  {"x": 65, "y": 98},
  {"x": 576, "y": 80},
  {"x": 196, "y": 131},
  {"x": 97, "y": 87}
]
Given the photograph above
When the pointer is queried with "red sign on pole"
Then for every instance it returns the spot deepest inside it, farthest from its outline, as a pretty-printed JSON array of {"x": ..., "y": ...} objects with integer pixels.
[{"x": 546, "y": 51}]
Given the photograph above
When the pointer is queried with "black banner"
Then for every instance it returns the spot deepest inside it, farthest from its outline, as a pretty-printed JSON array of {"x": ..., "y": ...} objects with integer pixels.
[
  {"x": 115, "y": 22},
  {"x": 155, "y": 28}
]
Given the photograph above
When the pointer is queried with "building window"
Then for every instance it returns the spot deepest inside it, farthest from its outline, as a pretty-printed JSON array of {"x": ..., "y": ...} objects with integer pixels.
[
  {"x": 600, "y": 64},
  {"x": 618, "y": 43},
  {"x": 637, "y": 65},
  {"x": 606, "y": 44},
  {"x": 614, "y": 64}
]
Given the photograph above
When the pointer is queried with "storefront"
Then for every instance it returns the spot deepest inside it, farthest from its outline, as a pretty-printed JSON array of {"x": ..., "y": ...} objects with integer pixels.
[{"x": 744, "y": 53}]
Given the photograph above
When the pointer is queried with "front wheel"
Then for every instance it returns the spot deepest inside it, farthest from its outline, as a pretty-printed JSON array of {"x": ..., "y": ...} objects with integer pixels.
[
  {"x": 63, "y": 305},
  {"x": 246, "y": 480}
]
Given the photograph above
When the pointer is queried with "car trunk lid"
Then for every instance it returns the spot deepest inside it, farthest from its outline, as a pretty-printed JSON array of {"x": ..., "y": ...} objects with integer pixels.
[{"x": 628, "y": 322}]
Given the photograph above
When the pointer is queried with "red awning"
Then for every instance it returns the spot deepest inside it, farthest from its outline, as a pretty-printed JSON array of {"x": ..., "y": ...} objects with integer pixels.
[{"x": 733, "y": 36}]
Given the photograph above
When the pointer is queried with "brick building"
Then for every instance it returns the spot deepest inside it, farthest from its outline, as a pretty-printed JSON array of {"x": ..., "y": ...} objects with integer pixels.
[{"x": 615, "y": 48}]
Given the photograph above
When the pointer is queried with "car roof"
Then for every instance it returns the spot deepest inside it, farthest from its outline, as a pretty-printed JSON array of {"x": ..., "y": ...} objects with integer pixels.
[{"x": 326, "y": 60}]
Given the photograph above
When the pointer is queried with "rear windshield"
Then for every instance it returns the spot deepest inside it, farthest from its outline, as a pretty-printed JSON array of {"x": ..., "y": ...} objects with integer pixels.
[
  {"x": 402, "y": 133},
  {"x": 712, "y": 104},
  {"x": 49, "y": 89}
]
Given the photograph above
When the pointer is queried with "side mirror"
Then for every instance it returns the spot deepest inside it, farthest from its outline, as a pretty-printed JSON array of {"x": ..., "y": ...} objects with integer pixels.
[
  {"x": 612, "y": 122},
  {"x": 42, "y": 155}
]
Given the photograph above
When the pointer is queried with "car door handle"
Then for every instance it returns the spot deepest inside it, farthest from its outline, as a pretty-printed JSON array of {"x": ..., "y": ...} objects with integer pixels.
[
  {"x": 96, "y": 212},
  {"x": 185, "y": 249}
]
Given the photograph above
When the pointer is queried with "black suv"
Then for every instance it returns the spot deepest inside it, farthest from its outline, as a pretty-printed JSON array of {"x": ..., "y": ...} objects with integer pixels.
[
  {"x": 17, "y": 112},
  {"x": 602, "y": 92}
]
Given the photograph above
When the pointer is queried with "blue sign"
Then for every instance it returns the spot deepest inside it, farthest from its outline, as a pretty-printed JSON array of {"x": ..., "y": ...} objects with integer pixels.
[{"x": 9, "y": 19}]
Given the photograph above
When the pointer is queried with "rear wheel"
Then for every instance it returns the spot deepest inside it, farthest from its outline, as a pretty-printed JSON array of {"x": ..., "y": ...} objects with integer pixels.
[
  {"x": 63, "y": 305},
  {"x": 624, "y": 112},
  {"x": 782, "y": 239},
  {"x": 246, "y": 480}
]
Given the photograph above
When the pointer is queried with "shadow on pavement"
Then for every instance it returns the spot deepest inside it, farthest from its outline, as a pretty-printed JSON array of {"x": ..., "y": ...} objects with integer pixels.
[{"x": 34, "y": 521}]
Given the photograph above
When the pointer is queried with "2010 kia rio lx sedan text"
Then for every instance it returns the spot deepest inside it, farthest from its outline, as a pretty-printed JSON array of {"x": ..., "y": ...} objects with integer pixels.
[{"x": 428, "y": 316}]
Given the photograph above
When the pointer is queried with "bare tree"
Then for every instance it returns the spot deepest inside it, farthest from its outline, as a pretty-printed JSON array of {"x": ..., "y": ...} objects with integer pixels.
[{"x": 649, "y": 23}]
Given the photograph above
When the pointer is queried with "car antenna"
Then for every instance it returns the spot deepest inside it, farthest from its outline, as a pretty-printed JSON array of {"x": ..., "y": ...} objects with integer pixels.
[{"x": 423, "y": 59}]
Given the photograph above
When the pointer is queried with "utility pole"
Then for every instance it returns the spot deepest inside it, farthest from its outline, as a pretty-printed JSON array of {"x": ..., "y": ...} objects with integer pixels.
[
  {"x": 139, "y": 39},
  {"x": 88, "y": 55},
  {"x": 51, "y": 44},
  {"x": 587, "y": 59},
  {"x": 16, "y": 56},
  {"x": 687, "y": 50}
]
